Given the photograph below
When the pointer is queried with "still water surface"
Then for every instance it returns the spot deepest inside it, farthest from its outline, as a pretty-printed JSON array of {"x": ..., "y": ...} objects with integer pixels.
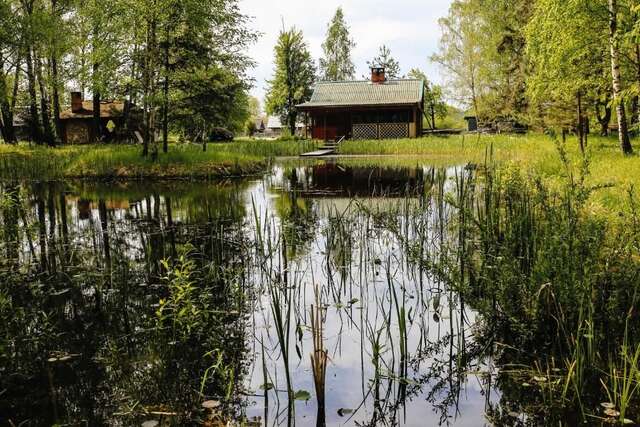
[{"x": 112, "y": 327}]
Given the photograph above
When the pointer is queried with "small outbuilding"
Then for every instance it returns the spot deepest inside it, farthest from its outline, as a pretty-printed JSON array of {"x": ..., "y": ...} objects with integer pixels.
[
  {"x": 78, "y": 126},
  {"x": 370, "y": 109}
]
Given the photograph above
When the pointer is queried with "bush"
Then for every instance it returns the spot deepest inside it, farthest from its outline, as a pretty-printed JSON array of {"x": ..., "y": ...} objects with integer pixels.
[{"x": 220, "y": 135}]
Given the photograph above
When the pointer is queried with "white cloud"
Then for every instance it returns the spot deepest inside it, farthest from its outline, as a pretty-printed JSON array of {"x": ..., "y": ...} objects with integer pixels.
[{"x": 408, "y": 27}]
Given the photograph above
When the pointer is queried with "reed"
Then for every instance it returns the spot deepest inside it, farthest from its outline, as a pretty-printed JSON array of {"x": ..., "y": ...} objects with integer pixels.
[{"x": 319, "y": 355}]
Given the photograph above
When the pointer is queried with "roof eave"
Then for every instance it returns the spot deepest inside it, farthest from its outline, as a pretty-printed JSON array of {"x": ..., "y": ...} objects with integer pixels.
[{"x": 339, "y": 106}]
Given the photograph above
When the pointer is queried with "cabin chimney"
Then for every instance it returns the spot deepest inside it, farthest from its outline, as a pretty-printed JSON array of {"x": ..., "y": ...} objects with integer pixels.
[
  {"x": 377, "y": 75},
  {"x": 76, "y": 102}
]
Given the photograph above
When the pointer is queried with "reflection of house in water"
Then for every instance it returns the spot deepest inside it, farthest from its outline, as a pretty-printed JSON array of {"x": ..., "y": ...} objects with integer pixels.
[
  {"x": 335, "y": 180},
  {"x": 85, "y": 206}
]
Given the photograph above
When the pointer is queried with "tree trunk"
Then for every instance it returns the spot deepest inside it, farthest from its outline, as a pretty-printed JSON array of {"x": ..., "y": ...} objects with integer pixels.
[
  {"x": 433, "y": 117},
  {"x": 293, "y": 117},
  {"x": 146, "y": 79},
  {"x": 97, "y": 123},
  {"x": 623, "y": 133},
  {"x": 603, "y": 119},
  {"x": 55, "y": 84},
  {"x": 6, "y": 112},
  {"x": 34, "y": 121},
  {"x": 56, "y": 97},
  {"x": 165, "y": 97},
  {"x": 580, "y": 124},
  {"x": 636, "y": 118},
  {"x": 149, "y": 88},
  {"x": 44, "y": 104}
]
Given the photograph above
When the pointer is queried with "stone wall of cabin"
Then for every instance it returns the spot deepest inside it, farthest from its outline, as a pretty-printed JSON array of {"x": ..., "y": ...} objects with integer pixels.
[{"x": 77, "y": 131}]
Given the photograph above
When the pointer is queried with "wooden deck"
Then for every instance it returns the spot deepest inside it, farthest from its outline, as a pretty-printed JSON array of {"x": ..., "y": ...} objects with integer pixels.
[{"x": 319, "y": 153}]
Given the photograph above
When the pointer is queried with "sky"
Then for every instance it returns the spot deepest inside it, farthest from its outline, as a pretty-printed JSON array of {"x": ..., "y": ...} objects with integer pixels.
[{"x": 408, "y": 27}]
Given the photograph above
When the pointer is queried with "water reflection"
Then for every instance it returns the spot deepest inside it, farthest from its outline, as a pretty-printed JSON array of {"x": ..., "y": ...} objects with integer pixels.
[{"x": 300, "y": 298}]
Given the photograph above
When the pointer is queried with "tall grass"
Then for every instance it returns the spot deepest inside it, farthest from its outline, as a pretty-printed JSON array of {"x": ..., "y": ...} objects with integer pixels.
[{"x": 125, "y": 161}]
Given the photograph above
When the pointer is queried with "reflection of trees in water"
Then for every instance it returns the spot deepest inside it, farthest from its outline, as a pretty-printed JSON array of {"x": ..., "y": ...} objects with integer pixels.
[
  {"x": 298, "y": 216},
  {"x": 78, "y": 301}
]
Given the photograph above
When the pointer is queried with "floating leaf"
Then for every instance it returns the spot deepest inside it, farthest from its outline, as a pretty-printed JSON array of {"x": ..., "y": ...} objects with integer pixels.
[
  {"x": 210, "y": 404},
  {"x": 353, "y": 301},
  {"x": 151, "y": 423},
  {"x": 302, "y": 395},
  {"x": 267, "y": 386},
  {"x": 344, "y": 411},
  {"x": 608, "y": 405},
  {"x": 610, "y": 412},
  {"x": 628, "y": 421},
  {"x": 540, "y": 379}
]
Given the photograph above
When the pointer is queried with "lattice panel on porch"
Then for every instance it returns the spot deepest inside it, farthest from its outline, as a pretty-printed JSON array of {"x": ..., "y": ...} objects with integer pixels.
[
  {"x": 393, "y": 130},
  {"x": 365, "y": 131}
]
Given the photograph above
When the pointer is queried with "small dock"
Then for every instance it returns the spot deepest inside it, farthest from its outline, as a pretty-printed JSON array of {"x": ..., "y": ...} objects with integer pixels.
[
  {"x": 329, "y": 147},
  {"x": 319, "y": 153}
]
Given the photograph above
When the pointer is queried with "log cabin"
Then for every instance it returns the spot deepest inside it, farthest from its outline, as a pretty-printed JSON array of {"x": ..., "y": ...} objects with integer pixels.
[
  {"x": 78, "y": 126},
  {"x": 371, "y": 109}
]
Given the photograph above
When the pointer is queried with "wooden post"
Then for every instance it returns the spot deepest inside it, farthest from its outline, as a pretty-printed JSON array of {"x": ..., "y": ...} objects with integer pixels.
[{"x": 325, "y": 127}]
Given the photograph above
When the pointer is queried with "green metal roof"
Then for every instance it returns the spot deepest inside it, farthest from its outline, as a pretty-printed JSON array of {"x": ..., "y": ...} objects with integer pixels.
[{"x": 365, "y": 93}]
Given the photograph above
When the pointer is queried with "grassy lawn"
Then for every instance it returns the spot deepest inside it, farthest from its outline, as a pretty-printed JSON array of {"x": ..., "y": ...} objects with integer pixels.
[
  {"x": 533, "y": 153},
  {"x": 125, "y": 162}
]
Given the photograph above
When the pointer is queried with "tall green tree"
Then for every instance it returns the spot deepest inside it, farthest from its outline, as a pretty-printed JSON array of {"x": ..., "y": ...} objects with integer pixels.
[
  {"x": 461, "y": 53},
  {"x": 337, "y": 64},
  {"x": 435, "y": 106},
  {"x": 385, "y": 60},
  {"x": 569, "y": 63},
  {"x": 293, "y": 77},
  {"x": 616, "y": 77},
  {"x": 9, "y": 70}
]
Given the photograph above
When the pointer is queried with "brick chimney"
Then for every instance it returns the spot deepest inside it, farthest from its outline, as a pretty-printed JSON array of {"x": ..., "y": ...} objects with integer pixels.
[
  {"x": 76, "y": 102},
  {"x": 377, "y": 75}
]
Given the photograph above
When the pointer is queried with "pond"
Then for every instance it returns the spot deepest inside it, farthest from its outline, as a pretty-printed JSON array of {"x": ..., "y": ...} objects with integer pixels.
[{"x": 316, "y": 294}]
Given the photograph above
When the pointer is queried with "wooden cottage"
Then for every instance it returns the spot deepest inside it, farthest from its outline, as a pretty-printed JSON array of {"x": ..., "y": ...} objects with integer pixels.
[
  {"x": 78, "y": 125},
  {"x": 371, "y": 109}
]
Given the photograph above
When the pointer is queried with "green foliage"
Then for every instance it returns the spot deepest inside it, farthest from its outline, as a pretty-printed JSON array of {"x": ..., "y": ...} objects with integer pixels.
[
  {"x": 337, "y": 64},
  {"x": 386, "y": 61},
  {"x": 435, "y": 105},
  {"x": 293, "y": 77},
  {"x": 568, "y": 50},
  {"x": 461, "y": 54},
  {"x": 206, "y": 98}
]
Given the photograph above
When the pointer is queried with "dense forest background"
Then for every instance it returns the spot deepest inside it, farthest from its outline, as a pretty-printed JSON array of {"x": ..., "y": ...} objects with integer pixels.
[
  {"x": 546, "y": 63},
  {"x": 564, "y": 64}
]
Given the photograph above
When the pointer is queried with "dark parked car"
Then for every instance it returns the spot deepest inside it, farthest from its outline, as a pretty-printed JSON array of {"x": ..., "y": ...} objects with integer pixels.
[{"x": 220, "y": 135}]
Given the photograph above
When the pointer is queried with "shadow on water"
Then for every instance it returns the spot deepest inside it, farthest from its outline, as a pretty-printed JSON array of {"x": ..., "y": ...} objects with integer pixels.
[{"x": 322, "y": 294}]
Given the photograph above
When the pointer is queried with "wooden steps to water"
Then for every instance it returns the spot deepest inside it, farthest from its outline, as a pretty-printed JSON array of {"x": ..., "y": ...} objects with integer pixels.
[
  {"x": 329, "y": 147},
  {"x": 319, "y": 153}
]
